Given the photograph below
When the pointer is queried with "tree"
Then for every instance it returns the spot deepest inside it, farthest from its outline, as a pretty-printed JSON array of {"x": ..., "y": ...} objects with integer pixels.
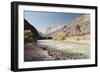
[{"x": 29, "y": 36}]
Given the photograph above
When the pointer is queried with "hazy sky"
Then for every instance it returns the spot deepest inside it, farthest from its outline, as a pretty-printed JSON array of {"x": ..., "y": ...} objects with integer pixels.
[{"x": 42, "y": 20}]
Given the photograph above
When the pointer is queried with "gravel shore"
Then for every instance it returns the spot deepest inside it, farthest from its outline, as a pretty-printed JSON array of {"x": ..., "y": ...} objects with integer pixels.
[
  {"x": 38, "y": 53},
  {"x": 61, "y": 55}
]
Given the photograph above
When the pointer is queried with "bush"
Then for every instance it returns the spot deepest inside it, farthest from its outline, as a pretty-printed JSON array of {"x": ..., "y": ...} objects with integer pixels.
[
  {"x": 28, "y": 33},
  {"x": 59, "y": 38},
  {"x": 64, "y": 27},
  {"x": 29, "y": 36}
]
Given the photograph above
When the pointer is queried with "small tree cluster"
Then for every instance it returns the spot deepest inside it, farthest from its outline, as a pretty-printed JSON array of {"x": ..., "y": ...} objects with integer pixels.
[{"x": 29, "y": 36}]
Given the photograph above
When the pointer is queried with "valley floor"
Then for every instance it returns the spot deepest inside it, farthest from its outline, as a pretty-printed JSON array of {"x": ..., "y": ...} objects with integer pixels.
[
  {"x": 80, "y": 41},
  {"x": 85, "y": 39}
]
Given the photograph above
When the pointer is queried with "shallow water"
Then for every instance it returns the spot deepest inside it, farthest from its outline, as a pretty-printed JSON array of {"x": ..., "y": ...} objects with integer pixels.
[{"x": 67, "y": 47}]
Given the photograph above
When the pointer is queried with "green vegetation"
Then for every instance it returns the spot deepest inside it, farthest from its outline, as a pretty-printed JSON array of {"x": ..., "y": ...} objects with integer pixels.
[
  {"x": 29, "y": 36},
  {"x": 59, "y": 38},
  {"x": 28, "y": 33},
  {"x": 64, "y": 27}
]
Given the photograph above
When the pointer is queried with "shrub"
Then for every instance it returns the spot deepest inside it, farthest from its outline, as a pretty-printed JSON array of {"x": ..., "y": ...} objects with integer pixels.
[
  {"x": 29, "y": 36},
  {"x": 59, "y": 38},
  {"x": 64, "y": 27},
  {"x": 28, "y": 33}
]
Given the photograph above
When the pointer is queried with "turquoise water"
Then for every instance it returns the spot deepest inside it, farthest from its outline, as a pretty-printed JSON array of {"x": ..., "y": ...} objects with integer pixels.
[{"x": 67, "y": 47}]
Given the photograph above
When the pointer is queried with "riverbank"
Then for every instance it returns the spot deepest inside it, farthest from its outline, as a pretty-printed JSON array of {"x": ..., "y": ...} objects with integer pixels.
[
  {"x": 34, "y": 52},
  {"x": 78, "y": 41},
  {"x": 61, "y": 55},
  {"x": 83, "y": 39}
]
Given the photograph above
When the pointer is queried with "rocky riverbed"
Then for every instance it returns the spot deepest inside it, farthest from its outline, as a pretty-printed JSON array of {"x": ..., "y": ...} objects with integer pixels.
[
  {"x": 61, "y": 55},
  {"x": 33, "y": 52}
]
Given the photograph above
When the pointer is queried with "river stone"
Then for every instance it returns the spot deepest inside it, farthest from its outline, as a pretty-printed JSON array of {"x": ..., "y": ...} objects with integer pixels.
[{"x": 34, "y": 53}]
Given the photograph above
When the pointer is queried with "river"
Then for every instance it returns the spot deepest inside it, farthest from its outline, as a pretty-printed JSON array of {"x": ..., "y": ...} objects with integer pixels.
[{"x": 67, "y": 47}]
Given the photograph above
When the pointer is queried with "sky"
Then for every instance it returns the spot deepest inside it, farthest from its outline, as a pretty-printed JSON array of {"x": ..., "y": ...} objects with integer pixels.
[{"x": 42, "y": 20}]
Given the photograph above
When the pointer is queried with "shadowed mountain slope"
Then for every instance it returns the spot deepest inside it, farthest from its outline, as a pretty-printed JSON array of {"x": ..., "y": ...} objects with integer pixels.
[{"x": 27, "y": 26}]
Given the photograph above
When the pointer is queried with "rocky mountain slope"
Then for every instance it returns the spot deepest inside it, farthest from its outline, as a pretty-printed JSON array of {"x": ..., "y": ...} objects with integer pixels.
[
  {"x": 37, "y": 35},
  {"x": 77, "y": 27}
]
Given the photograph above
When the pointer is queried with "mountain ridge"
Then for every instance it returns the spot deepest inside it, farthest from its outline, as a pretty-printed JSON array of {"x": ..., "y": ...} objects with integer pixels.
[{"x": 79, "y": 26}]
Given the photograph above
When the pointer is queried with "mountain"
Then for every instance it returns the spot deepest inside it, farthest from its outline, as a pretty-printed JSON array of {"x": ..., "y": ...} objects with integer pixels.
[
  {"x": 53, "y": 29},
  {"x": 27, "y": 26},
  {"x": 79, "y": 26},
  {"x": 37, "y": 34}
]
